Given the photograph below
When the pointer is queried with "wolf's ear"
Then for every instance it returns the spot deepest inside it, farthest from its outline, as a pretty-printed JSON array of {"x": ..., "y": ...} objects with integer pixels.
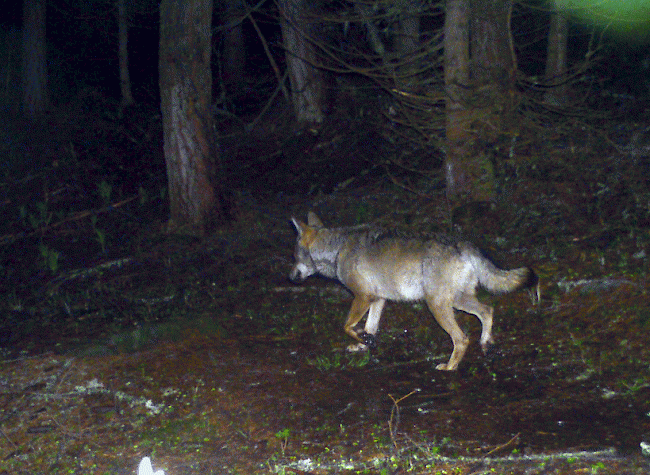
[
  {"x": 299, "y": 225},
  {"x": 314, "y": 221}
]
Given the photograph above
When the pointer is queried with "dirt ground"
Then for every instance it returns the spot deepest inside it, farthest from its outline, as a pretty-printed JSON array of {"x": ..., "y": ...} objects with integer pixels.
[{"x": 202, "y": 355}]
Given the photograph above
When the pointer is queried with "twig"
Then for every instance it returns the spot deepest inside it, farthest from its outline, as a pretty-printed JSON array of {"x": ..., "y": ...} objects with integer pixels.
[
  {"x": 398, "y": 183},
  {"x": 499, "y": 447},
  {"x": 251, "y": 126},
  {"x": 393, "y": 422},
  {"x": 8, "y": 439},
  {"x": 82, "y": 214},
  {"x": 274, "y": 65}
]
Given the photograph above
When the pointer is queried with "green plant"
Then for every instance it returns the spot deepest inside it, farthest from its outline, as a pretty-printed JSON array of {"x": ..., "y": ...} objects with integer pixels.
[
  {"x": 359, "y": 362},
  {"x": 598, "y": 466},
  {"x": 325, "y": 363},
  {"x": 283, "y": 437},
  {"x": 22, "y": 211},
  {"x": 362, "y": 214},
  {"x": 104, "y": 190},
  {"x": 143, "y": 196},
  {"x": 41, "y": 220},
  {"x": 100, "y": 233},
  {"x": 133, "y": 340},
  {"x": 50, "y": 257}
]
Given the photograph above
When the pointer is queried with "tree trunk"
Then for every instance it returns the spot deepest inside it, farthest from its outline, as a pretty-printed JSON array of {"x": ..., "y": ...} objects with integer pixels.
[
  {"x": 372, "y": 32},
  {"x": 493, "y": 61},
  {"x": 489, "y": 96},
  {"x": 123, "y": 33},
  {"x": 556, "y": 58},
  {"x": 307, "y": 86},
  {"x": 407, "y": 43},
  {"x": 408, "y": 40},
  {"x": 185, "y": 90},
  {"x": 398, "y": 61},
  {"x": 34, "y": 74},
  {"x": 234, "y": 52},
  {"x": 456, "y": 48}
]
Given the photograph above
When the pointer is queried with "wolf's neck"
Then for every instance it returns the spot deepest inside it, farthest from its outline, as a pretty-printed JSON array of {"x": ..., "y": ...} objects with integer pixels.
[{"x": 325, "y": 257}]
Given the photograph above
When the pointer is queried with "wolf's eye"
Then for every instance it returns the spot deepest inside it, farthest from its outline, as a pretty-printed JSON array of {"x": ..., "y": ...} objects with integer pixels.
[{"x": 302, "y": 253}]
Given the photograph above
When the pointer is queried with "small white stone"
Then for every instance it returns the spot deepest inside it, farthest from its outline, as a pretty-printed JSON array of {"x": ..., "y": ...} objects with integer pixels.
[
  {"x": 645, "y": 449},
  {"x": 145, "y": 468}
]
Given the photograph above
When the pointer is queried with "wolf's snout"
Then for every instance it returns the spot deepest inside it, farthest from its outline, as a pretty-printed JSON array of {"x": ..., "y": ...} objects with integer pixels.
[{"x": 296, "y": 276}]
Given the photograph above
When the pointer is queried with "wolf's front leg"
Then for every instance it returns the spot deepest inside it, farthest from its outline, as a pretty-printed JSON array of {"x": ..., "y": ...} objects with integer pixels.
[
  {"x": 360, "y": 306},
  {"x": 367, "y": 339}
]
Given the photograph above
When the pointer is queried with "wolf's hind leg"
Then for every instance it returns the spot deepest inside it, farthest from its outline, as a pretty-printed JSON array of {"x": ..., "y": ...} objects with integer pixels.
[
  {"x": 443, "y": 312},
  {"x": 470, "y": 304}
]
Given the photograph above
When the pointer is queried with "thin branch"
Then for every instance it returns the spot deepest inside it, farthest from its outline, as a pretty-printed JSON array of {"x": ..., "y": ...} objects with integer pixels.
[{"x": 267, "y": 51}]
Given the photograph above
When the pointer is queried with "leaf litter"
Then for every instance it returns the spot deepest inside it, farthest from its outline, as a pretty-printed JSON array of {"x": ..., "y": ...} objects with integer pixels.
[{"x": 201, "y": 355}]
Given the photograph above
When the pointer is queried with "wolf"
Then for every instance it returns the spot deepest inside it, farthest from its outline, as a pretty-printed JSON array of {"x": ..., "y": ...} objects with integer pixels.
[{"x": 377, "y": 266}]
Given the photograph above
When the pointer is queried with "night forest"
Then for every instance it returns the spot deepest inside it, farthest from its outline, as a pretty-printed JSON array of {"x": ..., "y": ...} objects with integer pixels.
[{"x": 155, "y": 154}]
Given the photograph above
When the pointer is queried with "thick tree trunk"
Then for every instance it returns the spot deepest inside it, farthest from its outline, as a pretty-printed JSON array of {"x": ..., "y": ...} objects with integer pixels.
[
  {"x": 456, "y": 47},
  {"x": 493, "y": 61},
  {"x": 307, "y": 86},
  {"x": 556, "y": 61},
  {"x": 489, "y": 96},
  {"x": 185, "y": 89},
  {"x": 123, "y": 34},
  {"x": 34, "y": 73}
]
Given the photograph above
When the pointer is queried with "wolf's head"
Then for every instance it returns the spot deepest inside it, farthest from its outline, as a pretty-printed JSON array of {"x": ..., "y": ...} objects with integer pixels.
[{"x": 304, "y": 265}]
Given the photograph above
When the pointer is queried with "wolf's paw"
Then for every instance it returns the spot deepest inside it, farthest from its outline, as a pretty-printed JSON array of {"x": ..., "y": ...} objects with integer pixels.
[
  {"x": 369, "y": 340},
  {"x": 357, "y": 348},
  {"x": 488, "y": 348},
  {"x": 492, "y": 350},
  {"x": 493, "y": 354},
  {"x": 444, "y": 367}
]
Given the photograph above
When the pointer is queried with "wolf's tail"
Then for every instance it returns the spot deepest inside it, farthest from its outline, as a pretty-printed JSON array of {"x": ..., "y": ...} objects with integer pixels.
[{"x": 497, "y": 280}]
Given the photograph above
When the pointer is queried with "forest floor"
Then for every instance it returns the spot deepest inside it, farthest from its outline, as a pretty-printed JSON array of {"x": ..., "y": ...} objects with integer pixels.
[{"x": 120, "y": 340}]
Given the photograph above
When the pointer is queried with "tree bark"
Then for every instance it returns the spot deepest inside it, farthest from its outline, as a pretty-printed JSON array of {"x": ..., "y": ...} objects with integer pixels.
[
  {"x": 185, "y": 89},
  {"x": 307, "y": 86},
  {"x": 493, "y": 61},
  {"x": 456, "y": 50},
  {"x": 408, "y": 40},
  {"x": 408, "y": 43},
  {"x": 556, "y": 61},
  {"x": 481, "y": 97},
  {"x": 34, "y": 70},
  {"x": 123, "y": 34},
  {"x": 234, "y": 52}
]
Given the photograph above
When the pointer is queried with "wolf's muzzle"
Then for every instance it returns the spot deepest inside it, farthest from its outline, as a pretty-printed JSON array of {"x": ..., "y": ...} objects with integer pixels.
[{"x": 296, "y": 276}]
